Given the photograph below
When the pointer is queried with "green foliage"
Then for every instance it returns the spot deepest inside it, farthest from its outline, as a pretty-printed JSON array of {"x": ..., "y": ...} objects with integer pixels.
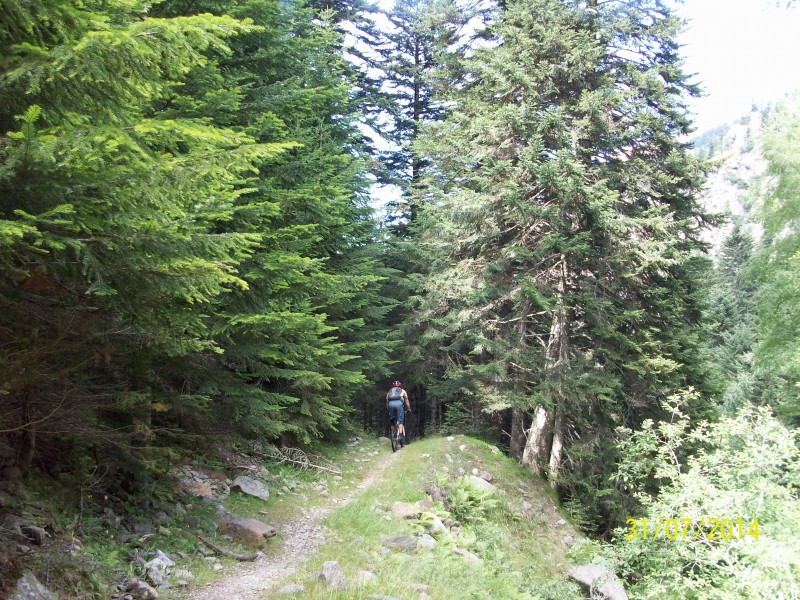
[
  {"x": 744, "y": 467},
  {"x": 469, "y": 503},
  {"x": 777, "y": 265}
]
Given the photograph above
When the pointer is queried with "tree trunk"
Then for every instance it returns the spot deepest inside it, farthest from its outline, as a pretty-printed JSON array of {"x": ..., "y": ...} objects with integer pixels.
[
  {"x": 545, "y": 437},
  {"x": 517, "y": 443}
]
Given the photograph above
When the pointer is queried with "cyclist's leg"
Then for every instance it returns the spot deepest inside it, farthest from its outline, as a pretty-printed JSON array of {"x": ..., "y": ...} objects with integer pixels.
[
  {"x": 401, "y": 419},
  {"x": 394, "y": 414}
]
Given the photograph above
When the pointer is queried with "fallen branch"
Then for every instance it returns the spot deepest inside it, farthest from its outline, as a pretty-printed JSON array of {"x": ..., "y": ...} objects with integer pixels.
[
  {"x": 295, "y": 456},
  {"x": 227, "y": 553},
  {"x": 312, "y": 465}
]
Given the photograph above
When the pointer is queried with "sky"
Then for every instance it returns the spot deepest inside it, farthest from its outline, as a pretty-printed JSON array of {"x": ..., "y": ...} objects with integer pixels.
[{"x": 742, "y": 52}]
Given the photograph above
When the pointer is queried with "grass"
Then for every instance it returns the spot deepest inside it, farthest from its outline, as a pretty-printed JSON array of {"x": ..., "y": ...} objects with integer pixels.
[{"x": 522, "y": 557}]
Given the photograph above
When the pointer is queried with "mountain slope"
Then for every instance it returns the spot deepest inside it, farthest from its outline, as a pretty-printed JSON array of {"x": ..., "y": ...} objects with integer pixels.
[{"x": 735, "y": 186}]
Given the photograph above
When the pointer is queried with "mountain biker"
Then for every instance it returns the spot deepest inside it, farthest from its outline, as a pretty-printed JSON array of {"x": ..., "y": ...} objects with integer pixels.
[{"x": 396, "y": 401}]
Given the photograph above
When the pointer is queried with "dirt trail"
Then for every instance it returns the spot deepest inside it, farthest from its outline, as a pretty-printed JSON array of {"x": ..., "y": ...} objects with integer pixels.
[{"x": 302, "y": 536}]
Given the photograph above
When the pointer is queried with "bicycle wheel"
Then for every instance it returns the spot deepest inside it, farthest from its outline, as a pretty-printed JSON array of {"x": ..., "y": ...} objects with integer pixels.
[{"x": 393, "y": 436}]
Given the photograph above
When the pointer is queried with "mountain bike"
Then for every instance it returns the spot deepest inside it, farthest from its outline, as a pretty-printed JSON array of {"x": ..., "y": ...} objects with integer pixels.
[
  {"x": 394, "y": 435},
  {"x": 398, "y": 441}
]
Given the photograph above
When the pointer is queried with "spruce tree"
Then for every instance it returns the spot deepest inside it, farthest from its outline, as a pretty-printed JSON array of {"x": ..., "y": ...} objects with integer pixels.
[
  {"x": 563, "y": 230},
  {"x": 112, "y": 261}
]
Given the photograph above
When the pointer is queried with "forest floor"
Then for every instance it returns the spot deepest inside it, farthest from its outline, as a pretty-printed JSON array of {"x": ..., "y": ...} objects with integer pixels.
[{"x": 302, "y": 535}]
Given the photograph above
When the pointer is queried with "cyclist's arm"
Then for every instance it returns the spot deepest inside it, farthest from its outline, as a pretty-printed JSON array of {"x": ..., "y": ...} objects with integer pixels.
[{"x": 406, "y": 400}]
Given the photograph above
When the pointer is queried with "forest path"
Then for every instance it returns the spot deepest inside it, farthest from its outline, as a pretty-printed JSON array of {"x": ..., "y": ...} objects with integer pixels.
[{"x": 302, "y": 536}]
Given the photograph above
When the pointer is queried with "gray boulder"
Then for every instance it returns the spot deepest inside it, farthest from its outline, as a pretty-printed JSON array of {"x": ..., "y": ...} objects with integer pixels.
[
  {"x": 400, "y": 542},
  {"x": 140, "y": 590},
  {"x": 600, "y": 581},
  {"x": 251, "y": 487},
  {"x": 333, "y": 576},
  {"x": 29, "y": 588},
  {"x": 248, "y": 531},
  {"x": 481, "y": 483}
]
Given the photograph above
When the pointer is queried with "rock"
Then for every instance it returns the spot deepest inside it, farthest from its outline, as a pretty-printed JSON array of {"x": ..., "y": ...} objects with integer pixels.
[
  {"x": 36, "y": 534},
  {"x": 455, "y": 529},
  {"x": 251, "y": 487},
  {"x": 481, "y": 483},
  {"x": 568, "y": 540},
  {"x": 450, "y": 438},
  {"x": 425, "y": 504},
  {"x": 140, "y": 590},
  {"x": 182, "y": 574},
  {"x": 419, "y": 588},
  {"x": 405, "y": 510},
  {"x": 426, "y": 542},
  {"x": 293, "y": 589},
  {"x": 494, "y": 449},
  {"x": 436, "y": 492},
  {"x": 463, "y": 447},
  {"x": 435, "y": 527},
  {"x": 471, "y": 558},
  {"x": 29, "y": 588},
  {"x": 332, "y": 575},
  {"x": 162, "y": 518},
  {"x": 384, "y": 440},
  {"x": 366, "y": 578},
  {"x": 600, "y": 581},
  {"x": 161, "y": 557},
  {"x": 486, "y": 476},
  {"x": 143, "y": 528},
  {"x": 382, "y": 597},
  {"x": 179, "y": 508},
  {"x": 400, "y": 542},
  {"x": 249, "y": 531},
  {"x": 23, "y": 549}
]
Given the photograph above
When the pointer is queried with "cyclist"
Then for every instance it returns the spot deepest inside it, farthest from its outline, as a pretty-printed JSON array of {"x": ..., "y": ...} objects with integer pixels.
[{"x": 396, "y": 401}]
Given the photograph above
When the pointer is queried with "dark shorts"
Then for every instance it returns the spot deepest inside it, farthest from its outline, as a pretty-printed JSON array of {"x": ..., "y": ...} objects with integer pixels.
[{"x": 397, "y": 411}]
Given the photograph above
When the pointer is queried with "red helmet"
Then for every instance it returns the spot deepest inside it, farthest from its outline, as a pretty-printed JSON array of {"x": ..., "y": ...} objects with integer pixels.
[{"x": 396, "y": 384}]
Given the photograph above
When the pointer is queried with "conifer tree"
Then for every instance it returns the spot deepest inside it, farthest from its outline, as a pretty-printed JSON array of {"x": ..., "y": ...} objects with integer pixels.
[
  {"x": 562, "y": 230},
  {"x": 298, "y": 341},
  {"x": 111, "y": 257}
]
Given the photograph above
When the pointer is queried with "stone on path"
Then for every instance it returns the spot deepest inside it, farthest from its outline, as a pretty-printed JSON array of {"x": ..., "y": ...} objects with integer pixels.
[
  {"x": 251, "y": 487},
  {"x": 333, "y": 576},
  {"x": 601, "y": 582},
  {"x": 248, "y": 531}
]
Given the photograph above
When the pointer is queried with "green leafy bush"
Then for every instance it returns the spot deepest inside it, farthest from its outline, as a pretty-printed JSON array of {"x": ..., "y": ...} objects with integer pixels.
[{"x": 745, "y": 467}]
